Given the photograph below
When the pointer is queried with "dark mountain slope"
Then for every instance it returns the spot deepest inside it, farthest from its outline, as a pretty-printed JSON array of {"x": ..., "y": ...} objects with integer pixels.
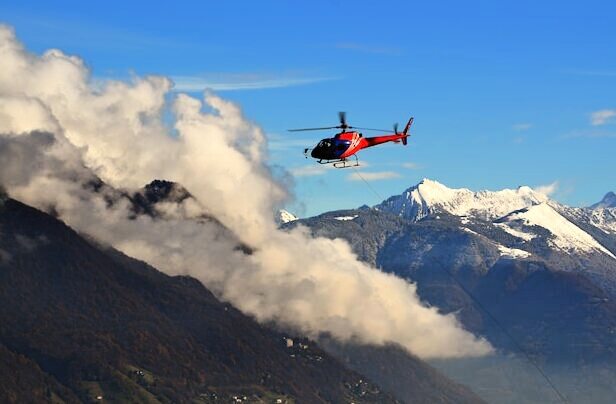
[
  {"x": 24, "y": 381},
  {"x": 79, "y": 322},
  {"x": 396, "y": 370}
]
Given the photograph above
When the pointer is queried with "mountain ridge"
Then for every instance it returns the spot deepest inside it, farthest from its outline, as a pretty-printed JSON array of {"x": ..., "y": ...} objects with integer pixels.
[
  {"x": 65, "y": 302},
  {"x": 523, "y": 205}
]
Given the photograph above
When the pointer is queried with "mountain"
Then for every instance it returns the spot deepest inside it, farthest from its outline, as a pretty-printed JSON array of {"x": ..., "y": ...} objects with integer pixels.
[
  {"x": 535, "y": 277},
  {"x": 81, "y": 321},
  {"x": 431, "y": 197},
  {"x": 608, "y": 201},
  {"x": 562, "y": 237}
]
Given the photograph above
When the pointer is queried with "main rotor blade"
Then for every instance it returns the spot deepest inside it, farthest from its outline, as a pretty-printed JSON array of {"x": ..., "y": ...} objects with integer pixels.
[
  {"x": 378, "y": 130},
  {"x": 304, "y": 129}
]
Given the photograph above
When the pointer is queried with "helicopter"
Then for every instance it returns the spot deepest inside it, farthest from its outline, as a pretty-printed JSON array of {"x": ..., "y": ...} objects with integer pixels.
[{"x": 340, "y": 150}]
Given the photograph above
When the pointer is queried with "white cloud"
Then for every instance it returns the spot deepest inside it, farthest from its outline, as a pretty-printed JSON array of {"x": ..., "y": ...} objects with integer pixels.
[
  {"x": 227, "y": 82},
  {"x": 116, "y": 132},
  {"x": 522, "y": 126},
  {"x": 373, "y": 176},
  {"x": 602, "y": 117},
  {"x": 548, "y": 189}
]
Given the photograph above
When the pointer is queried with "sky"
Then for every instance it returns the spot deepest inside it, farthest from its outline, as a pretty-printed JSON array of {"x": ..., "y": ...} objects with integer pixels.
[{"x": 504, "y": 93}]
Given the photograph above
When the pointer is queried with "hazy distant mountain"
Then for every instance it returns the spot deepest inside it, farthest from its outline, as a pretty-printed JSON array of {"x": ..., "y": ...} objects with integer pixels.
[
  {"x": 608, "y": 201},
  {"x": 546, "y": 272}
]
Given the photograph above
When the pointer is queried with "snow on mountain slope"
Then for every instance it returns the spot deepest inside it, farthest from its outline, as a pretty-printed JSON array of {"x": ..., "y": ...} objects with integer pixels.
[
  {"x": 429, "y": 196},
  {"x": 515, "y": 232},
  {"x": 343, "y": 218},
  {"x": 504, "y": 251},
  {"x": 567, "y": 236},
  {"x": 285, "y": 216},
  {"x": 604, "y": 219},
  {"x": 512, "y": 252}
]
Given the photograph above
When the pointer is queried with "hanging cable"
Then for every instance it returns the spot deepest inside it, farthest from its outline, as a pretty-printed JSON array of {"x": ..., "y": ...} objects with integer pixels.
[
  {"x": 380, "y": 198},
  {"x": 517, "y": 345}
]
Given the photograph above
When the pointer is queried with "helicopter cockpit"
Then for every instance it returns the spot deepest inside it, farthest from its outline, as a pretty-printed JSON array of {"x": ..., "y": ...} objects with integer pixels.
[{"x": 330, "y": 149}]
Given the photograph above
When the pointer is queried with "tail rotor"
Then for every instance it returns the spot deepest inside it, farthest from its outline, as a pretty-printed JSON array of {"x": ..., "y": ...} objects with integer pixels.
[{"x": 406, "y": 131}]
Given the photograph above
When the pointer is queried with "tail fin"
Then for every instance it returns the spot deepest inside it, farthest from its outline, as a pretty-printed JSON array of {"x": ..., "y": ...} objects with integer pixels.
[{"x": 406, "y": 130}]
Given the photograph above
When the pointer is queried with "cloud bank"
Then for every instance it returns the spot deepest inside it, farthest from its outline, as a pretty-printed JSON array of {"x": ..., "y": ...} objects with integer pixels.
[{"x": 59, "y": 137}]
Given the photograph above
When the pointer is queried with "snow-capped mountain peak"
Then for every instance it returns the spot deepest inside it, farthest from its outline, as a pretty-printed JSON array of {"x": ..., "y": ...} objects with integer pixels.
[
  {"x": 431, "y": 196},
  {"x": 284, "y": 216},
  {"x": 608, "y": 201},
  {"x": 515, "y": 211}
]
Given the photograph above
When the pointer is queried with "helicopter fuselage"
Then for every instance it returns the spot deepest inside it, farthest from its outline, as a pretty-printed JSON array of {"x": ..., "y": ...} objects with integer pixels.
[{"x": 346, "y": 144}]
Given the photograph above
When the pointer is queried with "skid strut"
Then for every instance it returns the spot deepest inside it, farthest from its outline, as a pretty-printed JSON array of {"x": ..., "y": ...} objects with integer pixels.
[{"x": 342, "y": 163}]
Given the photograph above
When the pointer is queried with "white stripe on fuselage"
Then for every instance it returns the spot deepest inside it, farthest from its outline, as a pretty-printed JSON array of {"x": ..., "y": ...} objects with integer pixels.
[{"x": 354, "y": 142}]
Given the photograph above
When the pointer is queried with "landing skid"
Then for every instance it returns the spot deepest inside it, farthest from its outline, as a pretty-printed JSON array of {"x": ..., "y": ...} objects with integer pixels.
[{"x": 342, "y": 163}]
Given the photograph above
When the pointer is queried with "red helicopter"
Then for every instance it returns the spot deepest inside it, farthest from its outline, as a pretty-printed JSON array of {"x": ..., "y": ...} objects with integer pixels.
[{"x": 338, "y": 149}]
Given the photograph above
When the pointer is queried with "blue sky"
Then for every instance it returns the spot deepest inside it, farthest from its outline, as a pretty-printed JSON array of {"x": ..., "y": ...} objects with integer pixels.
[{"x": 502, "y": 91}]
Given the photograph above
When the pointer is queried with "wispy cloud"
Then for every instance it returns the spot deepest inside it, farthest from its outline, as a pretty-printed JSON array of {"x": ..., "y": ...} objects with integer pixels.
[
  {"x": 366, "y": 48},
  {"x": 547, "y": 189},
  {"x": 410, "y": 165},
  {"x": 310, "y": 170},
  {"x": 373, "y": 176},
  {"x": 318, "y": 169},
  {"x": 520, "y": 127},
  {"x": 602, "y": 116},
  {"x": 289, "y": 143},
  {"x": 231, "y": 82}
]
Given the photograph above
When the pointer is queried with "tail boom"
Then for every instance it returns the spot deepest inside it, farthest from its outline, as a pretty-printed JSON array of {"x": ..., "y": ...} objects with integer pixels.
[{"x": 397, "y": 138}]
